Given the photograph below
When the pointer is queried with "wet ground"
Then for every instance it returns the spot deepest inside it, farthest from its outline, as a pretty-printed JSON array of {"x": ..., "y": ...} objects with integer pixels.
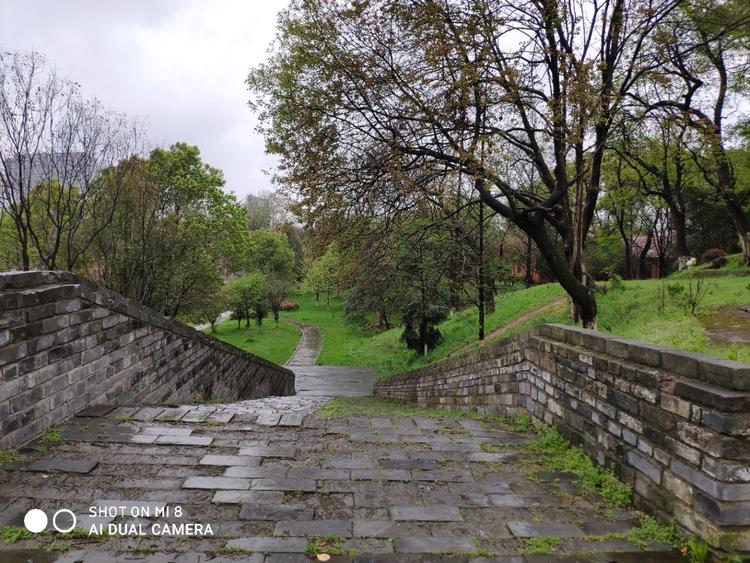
[
  {"x": 728, "y": 325},
  {"x": 270, "y": 481},
  {"x": 272, "y": 478}
]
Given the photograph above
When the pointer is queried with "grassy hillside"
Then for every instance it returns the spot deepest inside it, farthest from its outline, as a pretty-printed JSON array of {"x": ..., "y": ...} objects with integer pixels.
[
  {"x": 646, "y": 310},
  {"x": 347, "y": 345},
  {"x": 273, "y": 342},
  {"x": 733, "y": 267}
]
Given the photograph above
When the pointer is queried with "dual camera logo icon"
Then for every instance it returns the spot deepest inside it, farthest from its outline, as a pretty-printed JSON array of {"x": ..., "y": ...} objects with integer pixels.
[{"x": 63, "y": 520}]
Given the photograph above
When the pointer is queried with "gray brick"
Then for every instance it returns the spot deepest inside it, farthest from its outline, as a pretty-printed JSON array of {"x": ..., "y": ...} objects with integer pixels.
[
  {"x": 342, "y": 528},
  {"x": 269, "y": 545},
  {"x": 442, "y": 545},
  {"x": 426, "y": 513},
  {"x": 644, "y": 466},
  {"x": 216, "y": 483},
  {"x": 537, "y": 529}
]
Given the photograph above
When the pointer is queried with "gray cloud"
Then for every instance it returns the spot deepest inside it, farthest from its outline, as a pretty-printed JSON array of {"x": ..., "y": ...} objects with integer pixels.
[{"x": 178, "y": 64}]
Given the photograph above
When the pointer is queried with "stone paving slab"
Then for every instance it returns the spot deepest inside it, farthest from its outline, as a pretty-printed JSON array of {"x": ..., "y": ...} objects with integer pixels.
[
  {"x": 341, "y": 528},
  {"x": 96, "y": 411},
  {"x": 63, "y": 465},
  {"x": 233, "y": 460},
  {"x": 216, "y": 483},
  {"x": 536, "y": 529},
  {"x": 273, "y": 484},
  {"x": 247, "y": 497},
  {"x": 395, "y": 488},
  {"x": 434, "y": 545},
  {"x": 426, "y": 513},
  {"x": 185, "y": 440},
  {"x": 274, "y": 513},
  {"x": 166, "y": 430},
  {"x": 269, "y": 544},
  {"x": 278, "y": 451},
  {"x": 255, "y": 471}
]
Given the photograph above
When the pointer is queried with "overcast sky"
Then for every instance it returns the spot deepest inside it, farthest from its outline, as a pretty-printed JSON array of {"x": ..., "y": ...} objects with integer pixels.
[{"x": 179, "y": 64}]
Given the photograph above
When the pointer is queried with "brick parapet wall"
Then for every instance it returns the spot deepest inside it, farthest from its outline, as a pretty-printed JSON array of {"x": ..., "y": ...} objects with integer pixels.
[
  {"x": 67, "y": 343},
  {"x": 673, "y": 424}
]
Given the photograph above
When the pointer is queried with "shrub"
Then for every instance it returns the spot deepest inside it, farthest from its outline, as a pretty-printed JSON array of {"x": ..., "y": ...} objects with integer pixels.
[
  {"x": 420, "y": 331},
  {"x": 287, "y": 305},
  {"x": 712, "y": 254}
]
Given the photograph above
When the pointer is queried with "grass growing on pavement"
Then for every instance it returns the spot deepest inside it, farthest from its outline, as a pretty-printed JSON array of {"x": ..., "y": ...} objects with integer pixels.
[
  {"x": 651, "y": 530},
  {"x": 273, "y": 342},
  {"x": 9, "y": 456},
  {"x": 51, "y": 437},
  {"x": 374, "y": 406},
  {"x": 556, "y": 453},
  {"x": 541, "y": 545},
  {"x": 13, "y": 535},
  {"x": 329, "y": 545}
]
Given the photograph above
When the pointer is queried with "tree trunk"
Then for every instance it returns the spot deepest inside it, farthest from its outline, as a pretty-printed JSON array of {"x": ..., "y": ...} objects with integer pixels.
[
  {"x": 489, "y": 294},
  {"x": 643, "y": 258},
  {"x": 627, "y": 269},
  {"x": 529, "y": 274},
  {"x": 741, "y": 225},
  {"x": 480, "y": 297},
  {"x": 680, "y": 230},
  {"x": 628, "y": 254},
  {"x": 584, "y": 303}
]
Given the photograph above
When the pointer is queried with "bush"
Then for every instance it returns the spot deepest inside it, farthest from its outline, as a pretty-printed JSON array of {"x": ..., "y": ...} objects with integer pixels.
[
  {"x": 420, "y": 331},
  {"x": 287, "y": 305},
  {"x": 712, "y": 254}
]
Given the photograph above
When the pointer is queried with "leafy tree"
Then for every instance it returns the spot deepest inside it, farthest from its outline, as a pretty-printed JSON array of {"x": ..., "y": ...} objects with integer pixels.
[
  {"x": 172, "y": 232},
  {"x": 323, "y": 275},
  {"x": 379, "y": 287},
  {"x": 211, "y": 306},
  {"x": 245, "y": 294},
  {"x": 294, "y": 236},
  {"x": 705, "y": 44},
  {"x": 265, "y": 210},
  {"x": 53, "y": 144},
  {"x": 420, "y": 331},
  {"x": 269, "y": 252},
  {"x": 363, "y": 114},
  {"x": 276, "y": 293}
]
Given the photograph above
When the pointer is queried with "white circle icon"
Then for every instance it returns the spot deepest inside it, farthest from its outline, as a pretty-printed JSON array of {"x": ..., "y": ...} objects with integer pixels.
[
  {"x": 58, "y": 513},
  {"x": 35, "y": 520}
]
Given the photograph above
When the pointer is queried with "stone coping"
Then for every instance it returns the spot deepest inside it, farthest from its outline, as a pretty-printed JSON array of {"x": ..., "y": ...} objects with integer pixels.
[
  {"x": 701, "y": 367},
  {"x": 724, "y": 373},
  {"x": 99, "y": 295}
]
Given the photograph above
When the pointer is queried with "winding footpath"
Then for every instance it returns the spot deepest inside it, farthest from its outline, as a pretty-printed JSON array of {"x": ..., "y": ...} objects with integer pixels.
[{"x": 309, "y": 347}]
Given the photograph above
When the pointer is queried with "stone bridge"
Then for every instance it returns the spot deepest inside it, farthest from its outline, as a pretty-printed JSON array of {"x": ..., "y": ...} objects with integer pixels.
[{"x": 274, "y": 479}]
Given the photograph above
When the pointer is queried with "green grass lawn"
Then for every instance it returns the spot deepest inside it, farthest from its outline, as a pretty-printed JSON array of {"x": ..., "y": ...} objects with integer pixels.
[
  {"x": 634, "y": 311},
  {"x": 638, "y": 311},
  {"x": 347, "y": 345},
  {"x": 274, "y": 342}
]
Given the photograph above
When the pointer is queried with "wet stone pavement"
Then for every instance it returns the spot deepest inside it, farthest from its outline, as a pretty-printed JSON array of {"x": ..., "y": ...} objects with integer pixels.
[{"x": 270, "y": 476}]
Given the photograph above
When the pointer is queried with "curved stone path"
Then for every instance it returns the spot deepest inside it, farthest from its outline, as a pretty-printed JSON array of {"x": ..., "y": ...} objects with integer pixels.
[{"x": 309, "y": 346}]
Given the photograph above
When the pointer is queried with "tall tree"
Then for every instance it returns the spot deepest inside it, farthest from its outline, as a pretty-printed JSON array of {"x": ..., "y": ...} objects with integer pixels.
[
  {"x": 360, "y": 98},
  {"x": 706, "y": 44},
  {"x": 53, "y": 145}
]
